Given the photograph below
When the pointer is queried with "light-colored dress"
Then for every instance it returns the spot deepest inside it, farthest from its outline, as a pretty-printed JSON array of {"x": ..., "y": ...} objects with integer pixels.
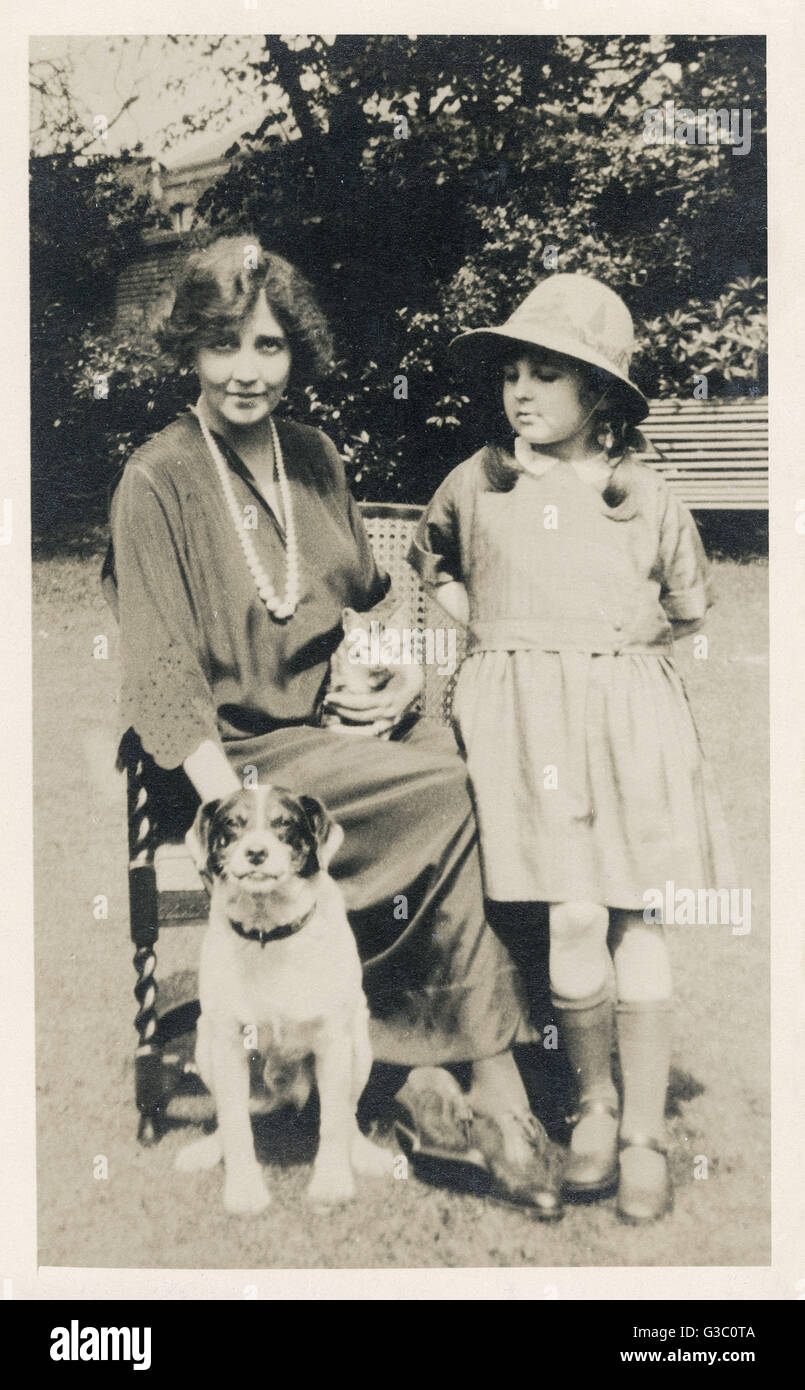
[{"x": 586, "y": 766}]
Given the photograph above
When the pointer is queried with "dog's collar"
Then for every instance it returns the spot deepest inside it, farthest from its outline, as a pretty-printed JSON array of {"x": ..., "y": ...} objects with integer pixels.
[{"x": 276, "y": 933}]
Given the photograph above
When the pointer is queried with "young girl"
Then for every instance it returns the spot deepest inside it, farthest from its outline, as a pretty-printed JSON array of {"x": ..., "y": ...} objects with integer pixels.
[{"x": 574, "y": 568}]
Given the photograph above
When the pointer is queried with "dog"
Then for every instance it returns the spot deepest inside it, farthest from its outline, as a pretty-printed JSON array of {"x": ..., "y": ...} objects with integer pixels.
[{"x": 279, "y": 973}]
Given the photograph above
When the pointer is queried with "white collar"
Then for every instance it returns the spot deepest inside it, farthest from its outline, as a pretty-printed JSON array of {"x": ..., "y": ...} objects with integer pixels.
[{"x": 595, "y": 470}]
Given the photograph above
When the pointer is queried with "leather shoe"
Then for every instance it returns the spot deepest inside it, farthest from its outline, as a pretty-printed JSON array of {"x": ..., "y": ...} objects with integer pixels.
[
  {"x": 644, "y": 1192},
  {"x": 593, "y": 1172},
  {"x": 521, "y": 1161},
  {"x": 433, "y": 1120}
]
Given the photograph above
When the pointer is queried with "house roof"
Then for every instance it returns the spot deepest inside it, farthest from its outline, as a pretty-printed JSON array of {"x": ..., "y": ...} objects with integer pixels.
[{"x": 203, "y": 150}]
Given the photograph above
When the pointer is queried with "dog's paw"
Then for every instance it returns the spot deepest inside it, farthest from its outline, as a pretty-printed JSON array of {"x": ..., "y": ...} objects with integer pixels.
[
  {"x": 369, "y": 1159},
  {"x": 331, "y": 1184},
  {"x": 246, "y": 1193},
  {"x": 201, "y": 1155}
]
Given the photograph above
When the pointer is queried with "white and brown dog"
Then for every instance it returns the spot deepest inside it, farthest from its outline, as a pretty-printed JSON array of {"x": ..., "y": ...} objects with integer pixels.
[{"x": 280, "y": 974}]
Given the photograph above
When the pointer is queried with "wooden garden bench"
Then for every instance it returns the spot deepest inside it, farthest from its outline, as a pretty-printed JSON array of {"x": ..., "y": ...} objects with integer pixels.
[{"x": 714, "y": 456}]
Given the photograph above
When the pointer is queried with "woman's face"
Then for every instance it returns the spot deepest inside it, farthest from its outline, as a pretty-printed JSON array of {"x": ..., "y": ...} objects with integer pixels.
[
  {"x": 243, "y": 375},
  {"x": 544, "y": 397}
]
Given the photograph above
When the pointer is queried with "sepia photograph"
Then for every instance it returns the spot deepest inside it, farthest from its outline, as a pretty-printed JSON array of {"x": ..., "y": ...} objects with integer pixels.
[{"x": 400, "y": 583}]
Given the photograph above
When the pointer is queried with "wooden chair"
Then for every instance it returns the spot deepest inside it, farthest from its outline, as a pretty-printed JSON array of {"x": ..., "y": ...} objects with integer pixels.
[{"x": 164, "y": 887}]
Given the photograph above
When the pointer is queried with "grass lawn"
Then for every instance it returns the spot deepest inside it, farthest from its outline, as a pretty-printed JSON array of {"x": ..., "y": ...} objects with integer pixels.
[{"x": 145, "y": 1214}]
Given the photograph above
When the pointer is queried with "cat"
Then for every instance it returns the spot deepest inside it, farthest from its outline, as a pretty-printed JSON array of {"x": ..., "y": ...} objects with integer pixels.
[{"x": 363, "y": 638}]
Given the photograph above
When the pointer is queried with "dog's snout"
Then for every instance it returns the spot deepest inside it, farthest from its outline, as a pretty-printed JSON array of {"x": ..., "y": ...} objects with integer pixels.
[{"x": 259, "y": 856}]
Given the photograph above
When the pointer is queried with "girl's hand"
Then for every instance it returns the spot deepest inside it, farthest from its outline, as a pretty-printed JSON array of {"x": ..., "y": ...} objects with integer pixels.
[
  {"x": 453, "y": 598},
  {"x": 378, "y": 710}
]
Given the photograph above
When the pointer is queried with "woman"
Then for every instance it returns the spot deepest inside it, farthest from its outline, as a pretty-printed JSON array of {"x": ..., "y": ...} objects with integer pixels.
[{"x": 236, "y": 546}]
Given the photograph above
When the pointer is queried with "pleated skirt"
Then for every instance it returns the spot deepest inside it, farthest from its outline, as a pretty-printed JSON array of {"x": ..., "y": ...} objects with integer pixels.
[{"x": 589, "y": 779}]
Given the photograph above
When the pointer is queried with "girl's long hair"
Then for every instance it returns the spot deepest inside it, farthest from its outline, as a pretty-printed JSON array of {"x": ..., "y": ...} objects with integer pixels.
[{"x": 615, "y": 422}]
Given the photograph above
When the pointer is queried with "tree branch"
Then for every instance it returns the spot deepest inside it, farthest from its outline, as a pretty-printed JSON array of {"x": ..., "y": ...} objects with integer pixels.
[
  {"x": 287, "y": 70},
  {"x": 633, "y": 84},
  {"x": 79, "y": 149}
]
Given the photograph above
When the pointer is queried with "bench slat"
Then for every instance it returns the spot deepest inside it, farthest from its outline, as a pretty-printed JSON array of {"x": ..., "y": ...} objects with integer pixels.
[
  {"x": 740, "y": 405},
  {"x": 707, "y": 433},
  {"x": 712, "y": 454},
  {"x": 717, "y": 474},
  {"x": 708, "y": 415},
  {"x": 713, "y": 477},
  {"x": 723, "y": 497},
  {"x": 693, "y": 451},
  {"x": 701, "y": 488}
]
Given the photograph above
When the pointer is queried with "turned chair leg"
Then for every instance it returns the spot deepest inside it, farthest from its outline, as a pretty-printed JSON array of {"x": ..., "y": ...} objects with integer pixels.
[
  {"x": 149, "y": 1087},
  {"x": 148, "y": 1068}
]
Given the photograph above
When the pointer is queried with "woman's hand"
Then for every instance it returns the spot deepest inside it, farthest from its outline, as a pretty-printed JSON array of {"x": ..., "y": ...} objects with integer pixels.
[
  {"x": 211, "y": 772},
  {"x": 377, "y": 711},
  {"x": 213, "y": 777}
]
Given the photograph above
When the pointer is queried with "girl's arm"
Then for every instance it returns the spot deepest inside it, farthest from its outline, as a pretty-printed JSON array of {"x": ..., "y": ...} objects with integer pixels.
[
  {"x": 453, "y": 598},
  {"x": 435, "y": 551},
  {"x": 685, "y": 591},
  {"x": 686, "y": 629}
]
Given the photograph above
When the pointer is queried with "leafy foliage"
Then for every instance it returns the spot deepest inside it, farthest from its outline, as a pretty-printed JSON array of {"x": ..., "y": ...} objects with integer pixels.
[
  {"x": 86, "y": 223},
  {"x": 431, "y": 182}
]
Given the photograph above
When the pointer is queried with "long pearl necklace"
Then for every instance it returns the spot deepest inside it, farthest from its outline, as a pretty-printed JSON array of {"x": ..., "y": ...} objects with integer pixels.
[{"x": 277, "y": 607}]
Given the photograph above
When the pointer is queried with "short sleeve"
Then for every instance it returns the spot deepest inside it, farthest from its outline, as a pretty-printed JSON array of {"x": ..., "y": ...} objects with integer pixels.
[
  {"x": 165, "y": 694},
  {"x": 374, "y": 583},
  {"x": 685, "y": 590},
  {"x": 435, "y": 551}
]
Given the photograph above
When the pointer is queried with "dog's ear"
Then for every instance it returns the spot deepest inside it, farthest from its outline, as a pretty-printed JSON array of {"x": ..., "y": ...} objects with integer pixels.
[
  {"x": 327, "y": 836},
  {"x": 197, "y": 838}
]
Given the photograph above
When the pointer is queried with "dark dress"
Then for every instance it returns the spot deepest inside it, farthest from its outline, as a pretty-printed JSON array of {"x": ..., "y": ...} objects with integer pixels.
[{"x": 203, "y": 659}]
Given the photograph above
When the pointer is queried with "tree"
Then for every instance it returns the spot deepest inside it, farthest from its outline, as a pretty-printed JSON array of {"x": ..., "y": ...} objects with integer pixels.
[
  {"x": 425, "y": 181},
  {"x": 85, "y": 225},
  {"x": 511, "y": 146}
]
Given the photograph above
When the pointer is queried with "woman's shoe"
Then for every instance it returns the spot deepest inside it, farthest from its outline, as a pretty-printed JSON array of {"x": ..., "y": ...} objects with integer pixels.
[
  {"x": 644, "y": 1192},
  {"x": 591, "y": 1170},
  {"x": 521, "y": 1161},
  {"x": 433, "y": 1121}
]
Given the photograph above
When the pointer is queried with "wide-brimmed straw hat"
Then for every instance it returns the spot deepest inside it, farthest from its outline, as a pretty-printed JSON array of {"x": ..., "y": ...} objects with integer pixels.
[{"x": 577, "y": 316}]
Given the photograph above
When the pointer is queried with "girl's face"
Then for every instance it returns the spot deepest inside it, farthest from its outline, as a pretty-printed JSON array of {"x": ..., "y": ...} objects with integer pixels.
[
  {"x": 244, "y": 374},
  {"x": 545, "y": 399}
]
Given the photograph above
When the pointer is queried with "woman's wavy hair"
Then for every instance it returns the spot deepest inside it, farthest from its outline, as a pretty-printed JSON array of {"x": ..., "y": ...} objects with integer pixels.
[
  {"x": 615, "y": 422},
  {"x": 219, "y": 286}
]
